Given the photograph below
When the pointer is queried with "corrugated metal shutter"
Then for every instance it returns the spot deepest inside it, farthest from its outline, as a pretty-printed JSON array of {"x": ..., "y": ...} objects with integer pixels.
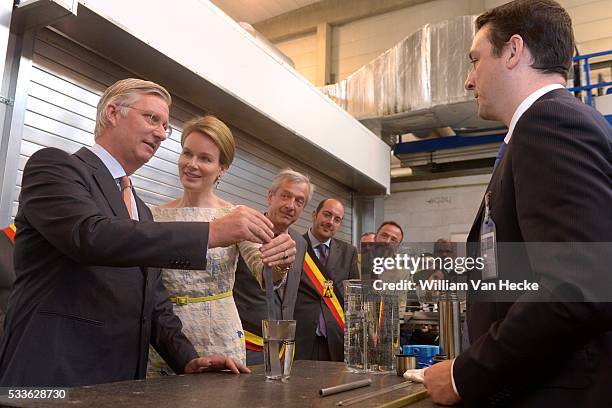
[{"x": 66, "y": 83}]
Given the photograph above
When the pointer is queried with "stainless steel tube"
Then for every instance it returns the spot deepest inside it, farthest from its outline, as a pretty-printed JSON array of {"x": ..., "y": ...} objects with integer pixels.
[
  {"x": 324, "y": 392},
  {"x": 450, "y": 325}
]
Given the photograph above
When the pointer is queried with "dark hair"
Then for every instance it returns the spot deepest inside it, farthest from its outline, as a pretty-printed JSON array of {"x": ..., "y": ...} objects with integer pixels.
[
  {"x": 322, "y": 203},
  {"x": 545, "y": 27},
  {"x": 395, "y": 224}
]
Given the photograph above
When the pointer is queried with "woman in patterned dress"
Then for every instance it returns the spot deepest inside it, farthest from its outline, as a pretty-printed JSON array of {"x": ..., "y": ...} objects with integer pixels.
[{"x": 203, "y": 299}]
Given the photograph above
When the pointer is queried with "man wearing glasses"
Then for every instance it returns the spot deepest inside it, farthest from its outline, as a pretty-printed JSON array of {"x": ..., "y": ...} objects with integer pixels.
[
  {"x": 288, "y": 195},
  {"x": 88, "y": 296}
]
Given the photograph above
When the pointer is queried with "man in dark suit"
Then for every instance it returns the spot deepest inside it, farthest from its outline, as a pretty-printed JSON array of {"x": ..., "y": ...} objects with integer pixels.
[
  {"x": 289, "y": 194},
  {"x": 88, "y": 296},
  {"x": 553, "y": 184},
  {"x": 318, "y": 309}
]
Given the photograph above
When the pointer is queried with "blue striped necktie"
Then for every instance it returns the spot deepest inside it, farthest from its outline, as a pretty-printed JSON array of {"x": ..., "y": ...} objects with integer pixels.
[{"x": 500, "y": 154}]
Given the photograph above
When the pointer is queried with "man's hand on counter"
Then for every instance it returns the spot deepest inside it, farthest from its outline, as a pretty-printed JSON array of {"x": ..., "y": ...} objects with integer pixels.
[
  {"x": 215, "y": 363},
  {"x": 438, "y": 381}
]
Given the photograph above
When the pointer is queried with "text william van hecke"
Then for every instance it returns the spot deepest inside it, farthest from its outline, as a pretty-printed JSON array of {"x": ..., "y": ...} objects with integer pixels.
[{"x": 444, "y": 285}]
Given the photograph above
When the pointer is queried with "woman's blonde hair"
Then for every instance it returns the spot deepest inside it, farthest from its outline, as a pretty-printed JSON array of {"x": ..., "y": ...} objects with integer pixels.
[{"x": 218, "y": 131}]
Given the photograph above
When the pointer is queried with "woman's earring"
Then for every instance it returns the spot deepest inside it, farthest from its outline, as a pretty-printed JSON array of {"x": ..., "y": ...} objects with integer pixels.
[{"x": 217, "y": 180}]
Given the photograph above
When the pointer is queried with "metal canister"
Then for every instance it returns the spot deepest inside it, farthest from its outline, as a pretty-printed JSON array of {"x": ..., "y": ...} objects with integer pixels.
[
  {"x": 404, "y": 362},
  {"x": 450, "y": 324}
]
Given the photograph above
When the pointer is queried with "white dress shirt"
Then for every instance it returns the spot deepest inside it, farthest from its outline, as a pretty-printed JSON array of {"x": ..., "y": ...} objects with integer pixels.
[{"x": 526, "y": 104}]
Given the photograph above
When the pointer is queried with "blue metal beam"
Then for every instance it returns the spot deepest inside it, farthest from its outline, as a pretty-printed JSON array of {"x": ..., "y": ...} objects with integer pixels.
[
  {"x": 442, "y": 143},
  {"x": 593, "y": 55},
  {"x": 589, "y": 87}
]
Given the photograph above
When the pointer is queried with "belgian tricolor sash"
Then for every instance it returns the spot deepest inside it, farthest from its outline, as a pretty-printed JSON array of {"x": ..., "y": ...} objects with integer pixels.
[
  {"x": 253, "y": 341},
  {"x": 10, "y": 232},
  {"x": 318, "y": 276},
  {"x": 256, "y": 343}
]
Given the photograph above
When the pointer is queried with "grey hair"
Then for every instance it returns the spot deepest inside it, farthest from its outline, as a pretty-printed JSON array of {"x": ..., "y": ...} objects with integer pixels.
[
  {"x": 293, "y": 177},
  {"x": 124, "y": 93}
]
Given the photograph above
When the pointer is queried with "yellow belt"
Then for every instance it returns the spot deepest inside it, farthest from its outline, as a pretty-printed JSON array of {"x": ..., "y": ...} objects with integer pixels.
[{"x": 185, "y": 300}]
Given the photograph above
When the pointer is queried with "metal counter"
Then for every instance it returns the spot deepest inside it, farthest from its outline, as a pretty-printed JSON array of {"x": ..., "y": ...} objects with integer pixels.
[{"x": 222, "y": 390}]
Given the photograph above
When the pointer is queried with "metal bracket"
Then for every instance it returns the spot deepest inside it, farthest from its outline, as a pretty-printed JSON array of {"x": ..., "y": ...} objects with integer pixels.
[{"x": 7, "y": 101}]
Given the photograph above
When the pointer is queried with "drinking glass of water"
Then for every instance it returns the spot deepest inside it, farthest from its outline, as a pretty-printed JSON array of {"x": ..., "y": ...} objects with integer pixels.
[{"x": 279, "y": 343}]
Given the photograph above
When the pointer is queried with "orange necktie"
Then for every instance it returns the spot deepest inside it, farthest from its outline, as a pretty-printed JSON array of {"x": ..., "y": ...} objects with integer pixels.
[{"x": 126, "y": 191}]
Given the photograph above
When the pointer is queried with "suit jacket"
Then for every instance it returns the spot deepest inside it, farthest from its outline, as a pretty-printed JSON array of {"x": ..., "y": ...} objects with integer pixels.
[
  {"x": 250, "y": 298},
  {"x": 553, "y": 184},
  {"x": 7, "y": 276},
  {"x": 341, "y": 265},
  {"x": 84, "y": 307}
]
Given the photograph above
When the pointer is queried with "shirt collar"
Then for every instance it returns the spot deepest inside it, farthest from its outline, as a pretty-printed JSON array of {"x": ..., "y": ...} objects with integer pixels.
[
  {"x": 109, "y": 161},
  {"x": 526, "y": 104},
  {"x": 315, "y": 242}
]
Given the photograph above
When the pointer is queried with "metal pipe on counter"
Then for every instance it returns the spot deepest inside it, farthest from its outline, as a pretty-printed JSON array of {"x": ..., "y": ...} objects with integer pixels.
[
  {"x": 373, "y": 394},
  {"x": 324, "y": 392}
]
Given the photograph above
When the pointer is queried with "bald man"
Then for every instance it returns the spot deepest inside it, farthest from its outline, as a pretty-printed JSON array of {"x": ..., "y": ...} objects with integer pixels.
[{"x": 318, "y": 309}]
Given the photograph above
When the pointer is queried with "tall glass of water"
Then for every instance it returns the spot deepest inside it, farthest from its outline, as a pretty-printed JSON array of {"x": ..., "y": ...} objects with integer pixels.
[{"x": 279, "y": 343}]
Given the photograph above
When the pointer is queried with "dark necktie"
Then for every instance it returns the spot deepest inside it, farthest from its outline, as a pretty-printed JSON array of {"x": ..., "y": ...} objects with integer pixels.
[
  {"x": 500, "y": 154},
  {"x": 322, "y": 327},
  {"x": 323, "y": 254}
]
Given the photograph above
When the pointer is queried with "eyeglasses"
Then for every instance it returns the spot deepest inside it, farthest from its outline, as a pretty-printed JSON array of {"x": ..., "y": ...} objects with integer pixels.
[{"x": 153, "y": 119}]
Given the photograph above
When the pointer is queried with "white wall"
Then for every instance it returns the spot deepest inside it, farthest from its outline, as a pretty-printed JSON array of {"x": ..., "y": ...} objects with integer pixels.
[
  {"x": 302, "y": 50},
  {"x": 428, "y": 210}
]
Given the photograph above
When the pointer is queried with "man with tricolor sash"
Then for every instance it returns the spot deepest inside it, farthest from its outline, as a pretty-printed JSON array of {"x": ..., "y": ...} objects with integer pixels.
[
  {"x": 319, "y": 306},
  {"x": 288, "y": 196},
  {"x": 7, "y": 272}
]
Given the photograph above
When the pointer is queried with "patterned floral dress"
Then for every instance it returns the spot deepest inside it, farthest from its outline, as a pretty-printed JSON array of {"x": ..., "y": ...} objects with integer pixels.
[{"x": 213, "y": 325}]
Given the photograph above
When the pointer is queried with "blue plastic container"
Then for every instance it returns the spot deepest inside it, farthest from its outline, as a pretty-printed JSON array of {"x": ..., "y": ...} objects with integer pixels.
[{"x": 426, "y": 353}]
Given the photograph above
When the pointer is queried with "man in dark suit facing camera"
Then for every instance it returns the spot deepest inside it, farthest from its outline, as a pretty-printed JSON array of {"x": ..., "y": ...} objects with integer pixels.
[
  {"x": 552, "y": 184},
  {"x": 288, "y": 195},
  {"x": 318, "y": 309},
  {"x": 88, "y": 298}
]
